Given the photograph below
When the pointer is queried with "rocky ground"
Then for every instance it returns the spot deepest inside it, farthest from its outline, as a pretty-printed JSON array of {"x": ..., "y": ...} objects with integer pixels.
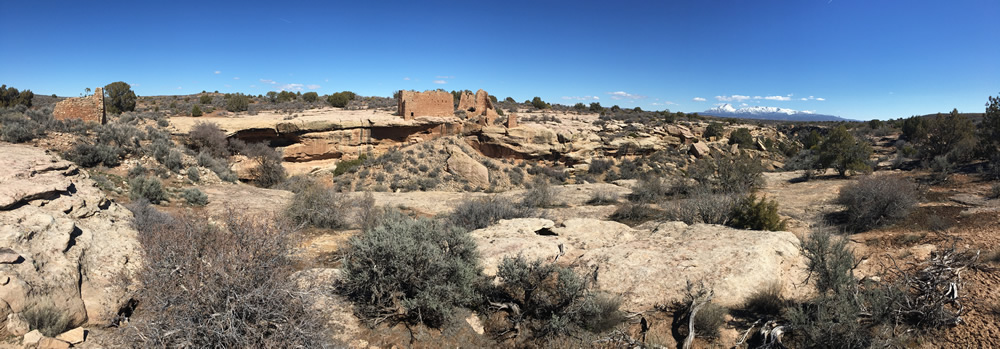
[
  {"x": 67, "y": 247},
  {"x": 68, "y": 252}
]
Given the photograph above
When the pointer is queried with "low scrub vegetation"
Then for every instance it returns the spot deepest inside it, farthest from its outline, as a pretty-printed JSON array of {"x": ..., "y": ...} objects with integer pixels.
[
  {"x": 756, "y": 214},
  {"x": 317, "y": 206},
  {"x": 416, "y": 271},
  {"x": 876, "y": 201},
  {"x": 232, "y": 279},
  {"x": 480, "y": 213},
  {"x": 546, "y": 300}
]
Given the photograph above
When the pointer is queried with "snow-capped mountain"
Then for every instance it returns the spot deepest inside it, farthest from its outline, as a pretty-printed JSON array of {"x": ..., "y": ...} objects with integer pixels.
[{"x": 769, "y": 113}]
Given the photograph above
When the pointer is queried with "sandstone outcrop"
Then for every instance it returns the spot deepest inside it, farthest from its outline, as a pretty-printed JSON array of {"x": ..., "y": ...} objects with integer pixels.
[
  {"x": 412, "y": 104},
  {"x": 651, "y": 264},
  {"x": 463, "y": 165},
  {"x": 699, "y": 150},
  {"x": 89, "y": 108},
  {"x": 76, "y": 249}
]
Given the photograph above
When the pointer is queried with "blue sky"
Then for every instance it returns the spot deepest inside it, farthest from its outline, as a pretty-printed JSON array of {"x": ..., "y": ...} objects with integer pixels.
[{"x": 857, "y": 59}]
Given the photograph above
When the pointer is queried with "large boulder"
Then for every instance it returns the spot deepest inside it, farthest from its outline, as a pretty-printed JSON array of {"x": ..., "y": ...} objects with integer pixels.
[
  {"x": 652, "y": 264},
  {"x": 77, "y": 252},
  {"x": 464, "y": 166}
]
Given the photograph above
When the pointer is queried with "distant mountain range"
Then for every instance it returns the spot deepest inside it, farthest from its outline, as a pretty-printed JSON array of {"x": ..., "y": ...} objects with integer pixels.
[{"x": 770, "y": 113}]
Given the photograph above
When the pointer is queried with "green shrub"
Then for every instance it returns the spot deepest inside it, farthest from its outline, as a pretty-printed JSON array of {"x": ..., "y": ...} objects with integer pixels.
[
  {"x": 195, "y": 111},
  {"x": 19, "y": 130},
  {"x": 480, "y": 213},
  {"x": 193, "y": 175},
  {"x": 538, "y": 103},
  {"x": 714, "y": 129},
  {"x": 738, "y": 174},
  {"x": 173, "y": 161},
  {"x": 237, "y": 102},
  {"x": 205, "y": 99},
  {"x": 830, "y": 320},
  {"x": 750, "y": 213},
  {"x": 742, "y": 137},
  {"x": 137, "y": 171},
  {"x": 841, "y": 151},
  {"x": 876, "y": 201},
  {"x": 340, "y": 99},
  {"x": 347, "y": 165},
  {"x": 310, "y": 97},
  {"x": 194, "y": 197},
  {"x": 10, "y": 96},
  {"x": 317, "y": 206},
  {"x": 119, "y": 98},
  {"x": 146, "y": 188},
  {"x": 90, "y": 155},
  {"x": 411, "y": 270}
]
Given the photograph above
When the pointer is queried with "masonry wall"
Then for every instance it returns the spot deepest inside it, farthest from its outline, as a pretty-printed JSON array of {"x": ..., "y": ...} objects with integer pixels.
[
  {"x": 90, "y": 108},
  {"x": 412, "y": 104}
]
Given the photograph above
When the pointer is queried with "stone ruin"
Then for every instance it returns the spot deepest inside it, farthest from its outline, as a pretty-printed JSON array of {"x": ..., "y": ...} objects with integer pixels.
[
  {"x": 511, "y": 120},
  {"x": 428, "y": 103},
  {"x": 479, "y": 106},
  {"x": 89, "y": 108}
]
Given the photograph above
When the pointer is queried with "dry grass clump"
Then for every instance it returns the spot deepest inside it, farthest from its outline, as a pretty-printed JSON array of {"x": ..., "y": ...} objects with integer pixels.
[{"x": 480, "y": 213}]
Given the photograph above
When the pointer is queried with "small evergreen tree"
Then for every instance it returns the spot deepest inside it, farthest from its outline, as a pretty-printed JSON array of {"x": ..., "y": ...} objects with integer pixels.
[
  {"x": 120, "y": 97},
  {"x": 841, "y": 151}
]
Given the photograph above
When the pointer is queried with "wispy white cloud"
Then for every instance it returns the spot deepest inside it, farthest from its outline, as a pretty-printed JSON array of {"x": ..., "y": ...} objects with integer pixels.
[
  {"x": 624, "y": 95},
  {"x": 267, "y": 81},
  {"x": 778, "y": 98},
  {"x": 253, "y": 86},
  {"x": 444, "y": 77},
  {"x": 581, "y": 98},
  {"x": 227, "y": 85},
  {"x": 217, "y": 72},
  {"x": 812, "y": 98},
  {"x": 733, "y": 98},
  {"x": 180, "y": 88},
  {"x": 406, "y": 78},
  {"x": 820, "y": 99},
  {"x": 698, "y": 99},
  {"x": 236, "y": 78},
  {"x": 290, "y": 87},
  {"x": 312, "y": 86},
  {"x": 663, "y": 103},
  {"x": 440, "y": 82}
]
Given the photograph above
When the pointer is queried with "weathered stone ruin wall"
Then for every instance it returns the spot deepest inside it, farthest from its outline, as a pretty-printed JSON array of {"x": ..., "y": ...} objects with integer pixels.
[
  {"x": 90, "y": 108},
  {"x": 479, "y": 107},
  {"x": 429, "y": 103}
]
